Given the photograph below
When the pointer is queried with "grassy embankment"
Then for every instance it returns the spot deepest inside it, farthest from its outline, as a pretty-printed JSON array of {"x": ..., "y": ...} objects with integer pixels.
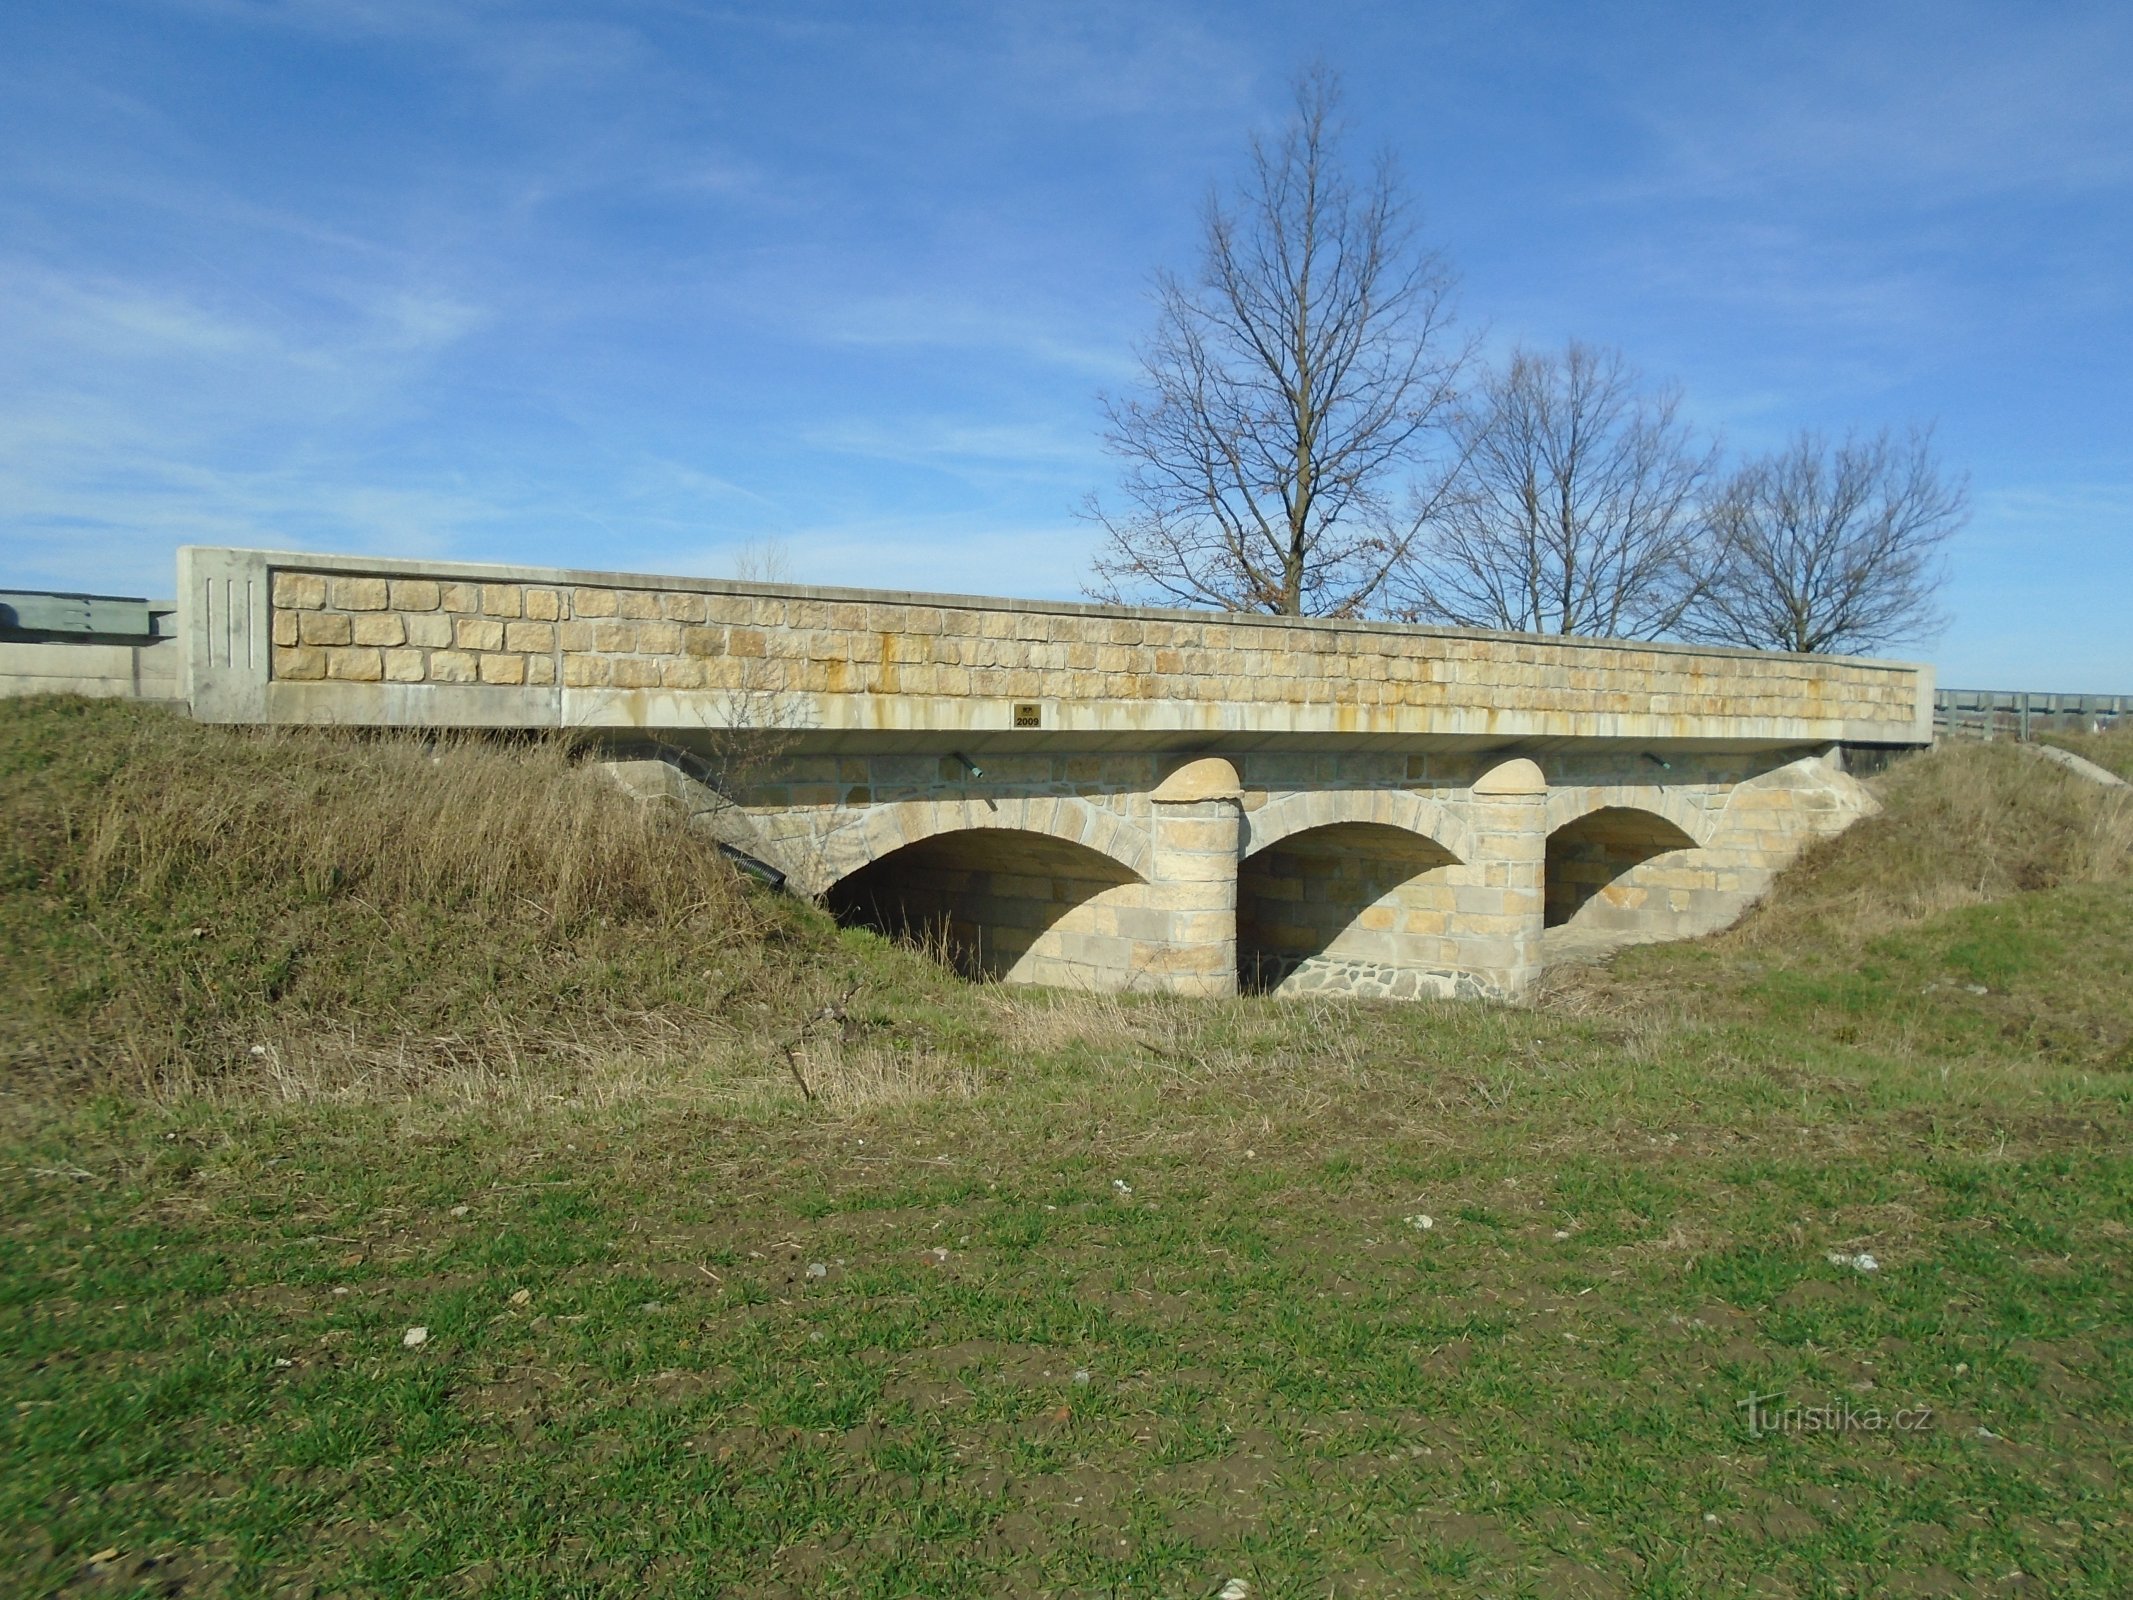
[
  {"x": 2112, "y": 751},
  {"x": 314, "y": 1040}
]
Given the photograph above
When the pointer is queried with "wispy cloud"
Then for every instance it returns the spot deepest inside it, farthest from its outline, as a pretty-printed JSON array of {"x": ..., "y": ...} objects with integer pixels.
[
  {"x": 915, "y": 320},
  {"x": 1938, "y": 103}
]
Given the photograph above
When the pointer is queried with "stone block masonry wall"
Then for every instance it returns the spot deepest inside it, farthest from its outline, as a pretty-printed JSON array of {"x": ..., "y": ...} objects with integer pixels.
[
  {"x": 598, "y": 649},
  {"x": 419, "y": 630}
]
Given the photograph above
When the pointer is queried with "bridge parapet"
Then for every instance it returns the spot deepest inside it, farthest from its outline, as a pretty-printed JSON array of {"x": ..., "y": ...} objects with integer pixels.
[{"x": 318, "y": 639}]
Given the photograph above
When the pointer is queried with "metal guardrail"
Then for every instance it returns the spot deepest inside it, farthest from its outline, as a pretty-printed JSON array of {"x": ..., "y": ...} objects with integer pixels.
[
  {"x": 44, "y": 613},
  {"x": 2023, "y": 713}
]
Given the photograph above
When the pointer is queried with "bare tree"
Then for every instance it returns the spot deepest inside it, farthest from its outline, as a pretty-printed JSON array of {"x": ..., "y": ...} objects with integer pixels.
[
  {"x": 1576, "y": 505},
  {"x": 1292, "y": 392},
  {"x": 1825, "y": 547}
]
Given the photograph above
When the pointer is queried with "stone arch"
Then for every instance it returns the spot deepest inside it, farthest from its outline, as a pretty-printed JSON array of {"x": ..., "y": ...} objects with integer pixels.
[
  {"x": 1014, "y": 904},
  {"x": 1357, "y": 904},
  {"x": 1598, "y": 846},
  {"x": 1291, "y": 814},
  {"x": 1067, "y": 818},
  {"x": 1566, "y": 806}
]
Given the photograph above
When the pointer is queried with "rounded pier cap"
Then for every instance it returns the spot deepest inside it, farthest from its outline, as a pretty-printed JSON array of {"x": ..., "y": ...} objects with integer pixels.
[
  {"x": 1209, "y": 778},
  {"x": 1518, "y": 776}
]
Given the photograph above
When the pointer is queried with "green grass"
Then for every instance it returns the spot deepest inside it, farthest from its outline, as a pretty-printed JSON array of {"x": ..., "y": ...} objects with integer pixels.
[{"x": 1118, "y": 1297}]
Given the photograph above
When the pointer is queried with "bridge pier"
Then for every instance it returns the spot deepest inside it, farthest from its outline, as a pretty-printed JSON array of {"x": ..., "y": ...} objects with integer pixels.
[
  {"x": 1504, "y": 913},
  {"x": 1196, "y": 828}
]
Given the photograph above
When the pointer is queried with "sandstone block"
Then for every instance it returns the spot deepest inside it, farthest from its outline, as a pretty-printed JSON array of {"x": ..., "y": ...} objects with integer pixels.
[
  {"x": 464, "y": 599},
  {"x": 300, "y": 665},
  {"x": 379, "y": 628},
  {"x": 503, "y": 669},
  {"x": 359, "y": 594},
  {"x": 659, "y": 639},
  {"x": 404, "y": 666},
  {"x": 415, "y": 594},
  {"x": 324, "y": 627},
  {"x": 1179, "y": 831},
  {"x": 540, "y": 669},
  {"x": 683, "y": 607},
  {"x": 355, "y": 665},
  {"x": 1215, "y": 894},
  {"x": 501, "y": 600},
  {"x": 432, "y": 630},
  {"x": 543, "y": 605},
  {"x": 615, "y": 638},
  {"x": 285, "y": 628},
  {"x": 299, "y": 591},
  {"x": 575, "y": 635},
  {"x": 478, "y": 633},
  {"x": 592, "y": 602},
  {"x": 638, "y": 605},
  {"x": 529, "y": 636},
  {"x": 587, "y": 672},
  {"x": 451, "y": 666},
  {"x": 702, "y": 642}
]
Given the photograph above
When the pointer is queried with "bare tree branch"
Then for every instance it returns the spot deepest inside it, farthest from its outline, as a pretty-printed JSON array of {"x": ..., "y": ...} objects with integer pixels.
[
  {"x": 1288, "y": 390},
  {"x": 1574, "y": 510},
  {"x": 1834, "y": 548}
]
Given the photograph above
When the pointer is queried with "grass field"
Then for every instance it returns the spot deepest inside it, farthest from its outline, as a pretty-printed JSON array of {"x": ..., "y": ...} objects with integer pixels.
[{"x": 1026, "y": 1294}]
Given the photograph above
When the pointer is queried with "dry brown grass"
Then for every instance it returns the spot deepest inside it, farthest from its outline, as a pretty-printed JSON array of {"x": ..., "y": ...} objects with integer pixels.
[
  {"x": 1961, "y": 824},
  {"x": 317, "y": 913},
  {"x": 492, "y": 830}
]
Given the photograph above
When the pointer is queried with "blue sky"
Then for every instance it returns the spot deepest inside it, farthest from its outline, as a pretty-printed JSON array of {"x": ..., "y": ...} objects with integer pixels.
[{"x": 640, "y": 284}]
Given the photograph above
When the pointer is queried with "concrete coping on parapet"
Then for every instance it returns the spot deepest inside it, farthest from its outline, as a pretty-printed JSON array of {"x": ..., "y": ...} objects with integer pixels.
[{"x": 491, "y": 572}]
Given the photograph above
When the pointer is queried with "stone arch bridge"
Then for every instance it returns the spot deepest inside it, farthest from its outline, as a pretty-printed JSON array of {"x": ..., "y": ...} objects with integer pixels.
[{"x": 1110, "y": 797}]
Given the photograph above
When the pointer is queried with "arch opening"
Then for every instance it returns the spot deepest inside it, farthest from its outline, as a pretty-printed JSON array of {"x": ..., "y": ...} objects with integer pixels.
[
  {"x": 1358, "y": 907},
  {"x": 996, "y": 903},
  {"x": 1587, "y": 858}
]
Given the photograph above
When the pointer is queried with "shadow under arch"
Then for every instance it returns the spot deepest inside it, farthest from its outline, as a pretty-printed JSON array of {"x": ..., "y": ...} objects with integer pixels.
[
  {"x": 999, "y": 903},
  {"x": 1591, "y": 852},
  {"x": 1339, "y": 891}
]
